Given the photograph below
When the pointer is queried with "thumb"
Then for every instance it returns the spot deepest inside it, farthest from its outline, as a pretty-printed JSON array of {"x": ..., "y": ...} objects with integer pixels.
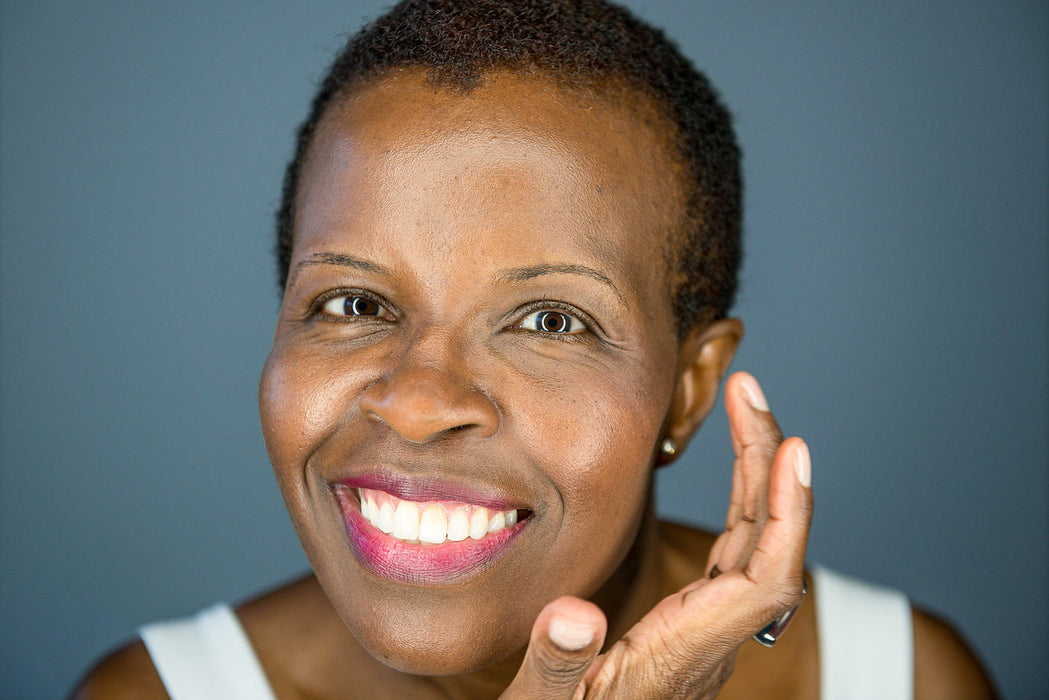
[{"x": 565, "y": 639}]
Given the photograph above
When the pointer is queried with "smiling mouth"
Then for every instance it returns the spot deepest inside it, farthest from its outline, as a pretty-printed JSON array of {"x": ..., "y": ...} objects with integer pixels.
[
  {"x": 426, "y": 542},
  {"x": 432, "y": 522}
]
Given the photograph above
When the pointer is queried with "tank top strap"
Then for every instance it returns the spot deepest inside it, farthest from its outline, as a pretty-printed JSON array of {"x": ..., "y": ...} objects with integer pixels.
[
  {"x": 865, "y": 639},
  {"x": 206, "y": 657}
]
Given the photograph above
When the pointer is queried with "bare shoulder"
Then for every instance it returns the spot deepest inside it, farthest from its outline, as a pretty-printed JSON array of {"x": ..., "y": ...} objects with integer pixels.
[
  {"x": 945, "y": 668},
  {"x": 124, "y": 674},
  {"x": 305, "y": 649},
  {"x": 280, "y": 625}
]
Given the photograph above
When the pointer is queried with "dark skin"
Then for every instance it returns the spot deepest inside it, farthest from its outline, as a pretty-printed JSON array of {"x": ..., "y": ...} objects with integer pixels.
[{"x": 460, "y": 218}]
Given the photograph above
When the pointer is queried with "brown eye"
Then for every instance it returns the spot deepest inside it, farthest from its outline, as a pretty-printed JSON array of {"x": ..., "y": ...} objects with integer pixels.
[
  {"x": 353, "y": 305},
  {"x": 552, "y": 322}
]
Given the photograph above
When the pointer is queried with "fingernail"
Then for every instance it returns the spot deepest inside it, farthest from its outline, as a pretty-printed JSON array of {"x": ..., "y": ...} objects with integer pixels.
[
  {"x": 803, "y": 465},
  {"x": 755, "y": 397},
  {"x": 570, "y": 635}
]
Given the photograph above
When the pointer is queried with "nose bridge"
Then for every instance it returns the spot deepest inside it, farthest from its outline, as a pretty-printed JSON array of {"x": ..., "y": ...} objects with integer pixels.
[
  {"x": 439, "y": 352},
  {"x": 430, "y": 391}
]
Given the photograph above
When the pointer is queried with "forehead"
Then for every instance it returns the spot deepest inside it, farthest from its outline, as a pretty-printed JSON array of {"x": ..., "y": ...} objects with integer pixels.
[{"x": 594, "y": 166}]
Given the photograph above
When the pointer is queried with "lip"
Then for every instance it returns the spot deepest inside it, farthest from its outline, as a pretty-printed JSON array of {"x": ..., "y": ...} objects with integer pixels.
[{"x": 421, "y": 564}]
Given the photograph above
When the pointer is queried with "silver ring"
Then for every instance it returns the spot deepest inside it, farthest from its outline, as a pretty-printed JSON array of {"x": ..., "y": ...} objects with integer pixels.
[{"x": 775, "y": 629}]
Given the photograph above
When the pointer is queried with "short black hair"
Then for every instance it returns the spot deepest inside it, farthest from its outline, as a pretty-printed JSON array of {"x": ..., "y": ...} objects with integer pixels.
[{"x": 574, "y": 41}]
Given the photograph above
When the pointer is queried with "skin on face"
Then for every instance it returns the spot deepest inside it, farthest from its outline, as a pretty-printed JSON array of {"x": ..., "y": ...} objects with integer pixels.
[{"x": 460, "y": 219}]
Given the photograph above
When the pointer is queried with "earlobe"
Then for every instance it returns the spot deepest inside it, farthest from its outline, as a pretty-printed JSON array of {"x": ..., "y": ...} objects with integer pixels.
[{"x": 702, "y": 362}]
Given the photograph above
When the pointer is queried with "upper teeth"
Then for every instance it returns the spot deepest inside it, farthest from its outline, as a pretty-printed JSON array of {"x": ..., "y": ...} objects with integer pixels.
[{"x": 431, "y": 522}]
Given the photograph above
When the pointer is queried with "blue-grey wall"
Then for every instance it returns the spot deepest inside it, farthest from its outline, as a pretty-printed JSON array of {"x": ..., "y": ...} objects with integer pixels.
[{"x": 895, "y": 293}]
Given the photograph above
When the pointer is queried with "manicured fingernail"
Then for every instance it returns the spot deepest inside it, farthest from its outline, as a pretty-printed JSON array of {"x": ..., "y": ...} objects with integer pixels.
[
  {"x": 755, "y": 397},
  {"x": 569, "y": 634},
  {"x": 803, "y": 465}
]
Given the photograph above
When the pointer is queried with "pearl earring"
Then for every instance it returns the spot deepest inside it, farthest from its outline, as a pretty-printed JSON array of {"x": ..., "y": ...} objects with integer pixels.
[{"x": 668, "y": 448}]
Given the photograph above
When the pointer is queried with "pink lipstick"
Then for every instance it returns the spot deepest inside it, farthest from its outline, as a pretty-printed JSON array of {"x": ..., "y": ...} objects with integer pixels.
[{"x": 425, "y": 532}]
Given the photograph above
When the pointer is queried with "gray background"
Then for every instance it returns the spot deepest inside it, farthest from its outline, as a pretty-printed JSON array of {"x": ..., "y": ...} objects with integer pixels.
[{"x": 895, "y": 294}]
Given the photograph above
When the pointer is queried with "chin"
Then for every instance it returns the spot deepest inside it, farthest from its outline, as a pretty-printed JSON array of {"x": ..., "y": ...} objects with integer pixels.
[{"x": 424, "y": 653}]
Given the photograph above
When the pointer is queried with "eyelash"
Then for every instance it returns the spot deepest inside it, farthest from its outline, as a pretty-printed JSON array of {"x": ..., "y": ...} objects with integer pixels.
[
  {"x": 318, "y": 306},
  {"x": 589, "y": 326}
]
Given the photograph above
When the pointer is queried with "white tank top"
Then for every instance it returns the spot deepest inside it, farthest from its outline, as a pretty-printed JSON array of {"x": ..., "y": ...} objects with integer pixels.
[
  {"x": 206, "y": 657},
  {"x": 865, "y": 640}
]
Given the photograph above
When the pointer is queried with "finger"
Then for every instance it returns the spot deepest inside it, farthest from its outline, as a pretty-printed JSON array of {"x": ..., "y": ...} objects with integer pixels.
[
  {"x": 566, "y": 637},
  {"x": 771, "y": 583},
  {"x": 755, "y": 438},
  {"x": 712, "y": 614},
  {"x": 779, "y": 558}
]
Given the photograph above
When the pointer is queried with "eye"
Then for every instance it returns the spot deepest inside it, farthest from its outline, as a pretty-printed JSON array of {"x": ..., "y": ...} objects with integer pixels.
[
  {"x": 353, "y": 305},
  {"x": 548, "y": 321}
]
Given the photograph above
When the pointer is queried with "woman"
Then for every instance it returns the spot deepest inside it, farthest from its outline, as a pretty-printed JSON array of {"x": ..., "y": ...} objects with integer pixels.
[{"x": 509, "y": 242}]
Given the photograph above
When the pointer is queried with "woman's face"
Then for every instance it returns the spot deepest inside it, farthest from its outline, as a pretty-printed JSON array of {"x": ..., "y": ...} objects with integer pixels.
[{"x": 477, "y": 327}]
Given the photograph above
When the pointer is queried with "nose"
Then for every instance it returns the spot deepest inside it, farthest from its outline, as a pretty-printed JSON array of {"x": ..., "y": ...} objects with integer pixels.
[{"x": 423, "y": 404}]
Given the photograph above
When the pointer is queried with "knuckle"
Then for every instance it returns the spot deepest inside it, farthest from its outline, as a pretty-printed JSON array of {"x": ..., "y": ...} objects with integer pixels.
[
  {"x": 805, "y": 511},
  {"x": 784, "y": 595},
  {"x": 560, "y": 671},
  {"x": 770, "y": 444}
]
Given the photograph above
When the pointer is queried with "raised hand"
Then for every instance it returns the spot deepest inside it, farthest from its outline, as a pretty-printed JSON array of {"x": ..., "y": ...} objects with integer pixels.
[{"x": 686, "y": 645}]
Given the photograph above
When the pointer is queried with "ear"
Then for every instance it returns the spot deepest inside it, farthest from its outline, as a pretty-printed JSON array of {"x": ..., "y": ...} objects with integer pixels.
[{"x": 702, "y": 362}]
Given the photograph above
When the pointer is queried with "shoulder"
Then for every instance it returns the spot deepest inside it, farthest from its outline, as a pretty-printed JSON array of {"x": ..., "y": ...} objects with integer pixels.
[
  {"x": 277, "y": 624},
  {"x": 944, "y": 665},
  {"x": 305, "y": 649},
  {"x": 945, "y": 668},
  {"x": 292, "y": 630},
  {"x": 124, "y": 674}
]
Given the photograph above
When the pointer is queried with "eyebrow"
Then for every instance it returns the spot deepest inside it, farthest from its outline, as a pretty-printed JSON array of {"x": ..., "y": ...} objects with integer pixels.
[
  {"x": 344, "y": 261},
  {"x": 520, "y": 274}
]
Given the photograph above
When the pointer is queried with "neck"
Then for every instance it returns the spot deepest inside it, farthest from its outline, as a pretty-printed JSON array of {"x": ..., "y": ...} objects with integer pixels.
[{"x": 638, "y": 584}]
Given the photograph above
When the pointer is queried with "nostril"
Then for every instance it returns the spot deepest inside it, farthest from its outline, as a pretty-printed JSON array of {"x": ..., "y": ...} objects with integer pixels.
[{"x": 371, "y": 410}]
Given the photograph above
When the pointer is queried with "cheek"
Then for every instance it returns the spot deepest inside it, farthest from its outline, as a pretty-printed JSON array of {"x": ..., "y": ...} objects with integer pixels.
[
  {"x": 596, "y": 437},
  {"x": 280, "y": 412},
  {"x": 300, "y": 403},
  {"x": 285, "y": 425}
]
